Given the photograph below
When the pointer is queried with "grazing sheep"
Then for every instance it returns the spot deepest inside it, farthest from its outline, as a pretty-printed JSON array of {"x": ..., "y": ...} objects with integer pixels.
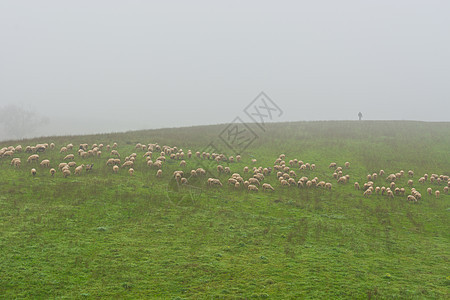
[
  {"x": 114, "y": 152},
  {"x": 267, "y": 186},
  {"x": 422, "y": 179},
  {"x": 66, "y": 173},
  {"x": 63, "y": 150},
  {"x": 45, "y": 163},
  {"x": 33, "y": 172},
  {"x": 328, "y": 186},
  {"x": 128, "y": 164},
  {"x": 284, "y": 183},
  {"x": 332, "y": 165},
  {"x": 437, "y": 193},
  {"x": 252, "y": 187},
  {"x": 52, "y": 171},
  {"x": 69, "y": 157},
  {"x": 446, "y": 190},
  {"x": 392, "y": 186},
  {"x": 342, "y": 179},
  {"x": 390, "y": 194},
  {"x": 411, "y": 198},
  {"x": 410, "y": 182},
  {"x": 381, "y": 173},
  {"x": 411, "y": 173},
  {"x": 131, "y": 171},
  {"x": 347, "y": 164},
  {"x": 237, "y": 185},
  {"x": 115, "y": 168},
  {"x": 254, "y": 181},
  {"x": 78, "y": 170},
  {"x": 33, "y": 158},
  {"x": 429, "y": 191},
  {"x": 253, "y": 160},
  {"x": 367, "y": 193},
  {"x": 183, "y": 163},
  {"x": 159, "y": 173},
  {"x": 356, "y": 186}
]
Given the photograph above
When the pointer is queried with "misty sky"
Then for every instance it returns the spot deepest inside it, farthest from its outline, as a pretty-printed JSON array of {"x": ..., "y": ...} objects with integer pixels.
[{"x": 102, "y": 66}]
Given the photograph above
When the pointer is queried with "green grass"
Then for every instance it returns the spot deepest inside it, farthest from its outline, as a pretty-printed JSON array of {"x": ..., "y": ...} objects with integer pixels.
[{"x": 111, "y": 235}]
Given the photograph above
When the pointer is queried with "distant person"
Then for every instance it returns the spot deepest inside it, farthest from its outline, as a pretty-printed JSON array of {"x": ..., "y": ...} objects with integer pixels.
[{"x": 360, "y": 116}]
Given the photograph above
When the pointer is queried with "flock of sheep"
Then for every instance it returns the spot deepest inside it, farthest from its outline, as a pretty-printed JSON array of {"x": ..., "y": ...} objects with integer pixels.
[{"x": 155, "y": 157}]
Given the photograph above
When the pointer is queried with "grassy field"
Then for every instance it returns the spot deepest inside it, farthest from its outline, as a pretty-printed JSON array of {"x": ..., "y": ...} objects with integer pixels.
[{"x": 118, "y": 236}]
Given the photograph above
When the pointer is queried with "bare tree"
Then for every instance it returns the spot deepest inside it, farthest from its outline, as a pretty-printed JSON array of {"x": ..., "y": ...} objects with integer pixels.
[{"x": 17, "y": 122}]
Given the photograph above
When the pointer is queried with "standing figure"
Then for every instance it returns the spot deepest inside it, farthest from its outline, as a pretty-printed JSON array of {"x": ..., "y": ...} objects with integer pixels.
[{"x": 360, "y": 116}]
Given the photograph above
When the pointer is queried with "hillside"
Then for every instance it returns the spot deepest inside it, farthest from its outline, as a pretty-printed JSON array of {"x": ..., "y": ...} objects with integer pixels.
[{"x": 106, "y": 234}]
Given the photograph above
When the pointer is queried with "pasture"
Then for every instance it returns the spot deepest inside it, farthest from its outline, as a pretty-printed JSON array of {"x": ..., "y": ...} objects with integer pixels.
[{"x": 104, "y": 234}]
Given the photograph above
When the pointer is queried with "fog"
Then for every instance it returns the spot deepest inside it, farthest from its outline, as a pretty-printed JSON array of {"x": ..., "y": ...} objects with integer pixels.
[{"x": 105, "y": 66}]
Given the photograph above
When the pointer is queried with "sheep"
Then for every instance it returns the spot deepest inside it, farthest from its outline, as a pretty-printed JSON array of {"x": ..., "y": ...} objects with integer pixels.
[
  {"x": 328, "y": 186},
  {"x": 429, "y": 191},
  {"x": 411, "y": 198},
  {"x": 114, "y": 152},
  {"x": 52, "y": 171},
  {"x": 342, "y": 179},
  {"x": 392, "y": 186},
  {"x": 446, "y": 190},
  {"x": 128, "y": 164},
  {"x": 183, "y": 163},
  {"x": 367, "y": 193},
  {"x": 356, "y": 186},
  {"x": 131, "y": 171},
  {"x": 422, "y": 179},
  {"x": 214, "y": 182},
  {"x": 284, "y": 182},
  {"x": 267, "y": 186},
  {"x": 254, "y": 160},
  {"x": 252, "y": 187},
  {"x": 45, "y": 163},
  {"x": 391, "y": 178},
  {"x": 63, "y": 150},
  {"x": 159, "y": 173},
  {"x": 69, "y": 157},
  {"x": 381, "y": 173},
  {"x": 437, "y": 193},
  {"x": 33, "y": 172},
  {"x": 66, "y": 173},
  {"x": 411, "y": 173},
  {"x": 254, "y": 181},
  {"x": 72, "y": 164},
  {"x": 390, "y": 194},
  {"x": 115, "y": 169},
  {"x": 78, "y": 170},
  {"x": 332, "y": 165},
  {"x": 347, "y": 164},
  {"x": 33, "y": 158}
]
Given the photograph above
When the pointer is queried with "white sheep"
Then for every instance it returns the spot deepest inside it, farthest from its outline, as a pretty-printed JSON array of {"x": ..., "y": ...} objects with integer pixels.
[
  {"x": 45, "y": 163},
  {"x": 429, "y": 191},
  {"x": 267, "y": 186},
  {"x": 69, "y": 157},
  {"x": 252, "y": 187},
  {"x": 66, "y": 172},
  {"x": 32, "y": 158},
  {"x": 131, "y": 171},
  {"x": 115, "y": 169},
  {"x": 78, "y": 170},
  {"x": 33, "y": 172},
  {"x": 159, "y": 173},
  {"x": 357, "y": 186},
  {"x": 437, "y": 193}
]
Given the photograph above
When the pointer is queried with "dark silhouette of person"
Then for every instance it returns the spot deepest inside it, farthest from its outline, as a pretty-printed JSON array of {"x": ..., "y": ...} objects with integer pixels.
[{"x": 360, "y": 116}]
